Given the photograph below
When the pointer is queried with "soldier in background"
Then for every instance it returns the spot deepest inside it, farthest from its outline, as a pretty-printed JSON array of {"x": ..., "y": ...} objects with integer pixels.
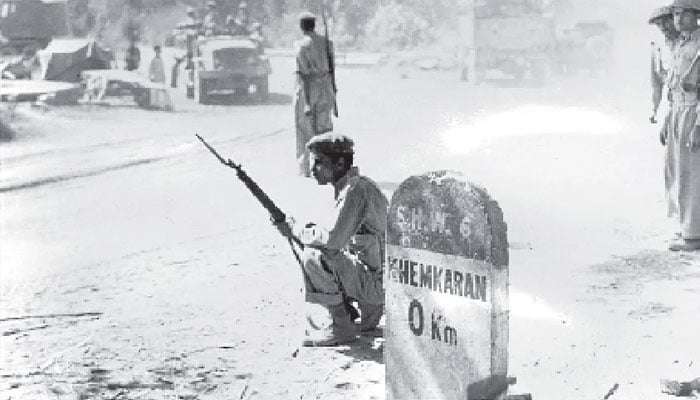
[
  {"x": 683, "y": 136},
  {"x": 132, "y": 31},
  {"x": 212, "y": 20},
  {"x": 190, "y": 21},
  {"x": 156, "y": 70},
  {"x": 661, "y": 59},
  {"x": 314, "y": 94},
  {"x": 241, "y": 22},
  {"x": 346, "y": 262},
  {"x": 132, "y": 60}
]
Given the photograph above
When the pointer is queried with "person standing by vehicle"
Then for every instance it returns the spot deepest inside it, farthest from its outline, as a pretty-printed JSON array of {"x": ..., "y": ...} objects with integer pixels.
[
  {"x": 314, "y": 94},
  {"x": 156, "y": 71},
  {"x": 212, "y": 20},
  {"x": 132, "y": 60},
  {"x": 683, "y": 141}
]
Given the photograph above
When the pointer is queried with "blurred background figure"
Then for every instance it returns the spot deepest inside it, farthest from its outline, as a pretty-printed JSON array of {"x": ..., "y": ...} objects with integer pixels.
[
  {"x": 156, "y": 70},
  {"x": 212, "y": 20},
  {"x": 132, "y": 60},
  {"x": 661, "y": 58}
]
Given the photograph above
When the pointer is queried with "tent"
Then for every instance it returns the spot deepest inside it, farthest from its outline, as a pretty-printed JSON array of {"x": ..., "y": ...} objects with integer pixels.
[{"x": 64, "y": 59}]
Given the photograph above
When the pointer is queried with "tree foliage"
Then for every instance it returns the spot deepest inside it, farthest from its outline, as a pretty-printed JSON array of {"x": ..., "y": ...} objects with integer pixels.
[{"x": 397, "y": 24}]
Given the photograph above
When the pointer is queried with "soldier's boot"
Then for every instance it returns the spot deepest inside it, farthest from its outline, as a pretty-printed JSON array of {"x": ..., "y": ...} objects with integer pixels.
[
  {"x": 370, "y": 315},
  {"x": 342, "y": 330},
  {"x": 685, "y": 245}
]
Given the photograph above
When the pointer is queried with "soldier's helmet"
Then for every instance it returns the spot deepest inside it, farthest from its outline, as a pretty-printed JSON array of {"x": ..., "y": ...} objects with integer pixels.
[
  {"x": 686, "y": 5},
  {"x": 306, "y": 16},
  {"x": 331, "y": 143},
  {"x": 660, "y": 12}
]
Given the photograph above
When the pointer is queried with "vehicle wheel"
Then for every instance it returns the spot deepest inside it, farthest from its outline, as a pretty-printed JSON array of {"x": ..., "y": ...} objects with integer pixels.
[
  {"x": 143, "y": 98},
  {"x": 263, "y": 87},
  {"x": 241, "y": 91},
  {"x": 203, "y": 92}
]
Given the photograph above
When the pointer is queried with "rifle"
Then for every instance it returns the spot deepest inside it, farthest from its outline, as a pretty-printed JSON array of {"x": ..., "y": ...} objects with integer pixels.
[
  {"x": 276, "y": 215},
  {"x": 331, "y": 62}
]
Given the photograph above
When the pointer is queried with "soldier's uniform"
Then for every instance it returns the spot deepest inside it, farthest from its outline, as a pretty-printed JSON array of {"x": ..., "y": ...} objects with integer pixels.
[
  {"x": 212, "y": 20},
  {"x": 312, "y": 109},
  {"x": 683, "y": 185},
  {"x": 156, "y": 70},
  {"x": 661, "y": 56},
  {"x": 346, "y": 262},
  {"x": 133, "y": 58},
  {"x": 661, "y": 61}
]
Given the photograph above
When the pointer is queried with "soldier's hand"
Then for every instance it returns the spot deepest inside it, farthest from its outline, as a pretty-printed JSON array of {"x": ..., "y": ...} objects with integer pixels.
[
  {"x": 694, "y": 140},
  {"x": 307, "y": 110},
  {"x": 663, "y": 135}
]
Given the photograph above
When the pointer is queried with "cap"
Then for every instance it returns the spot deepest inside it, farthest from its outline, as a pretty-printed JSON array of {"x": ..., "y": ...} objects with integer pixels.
[
  {"x": 190, "y": 10},
  {"x": 331, "y": 143},
  {"x": 306, "y": 16},
  {"x": 686, "y": 4},
  {"x": 660, "y": 12},
  {"x": 211, "y": 3},
  {"x": 242, "y": 4}
]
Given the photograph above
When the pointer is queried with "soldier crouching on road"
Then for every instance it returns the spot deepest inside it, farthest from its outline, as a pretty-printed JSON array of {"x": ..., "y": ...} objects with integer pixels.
[{"x": 346, "y": 262}]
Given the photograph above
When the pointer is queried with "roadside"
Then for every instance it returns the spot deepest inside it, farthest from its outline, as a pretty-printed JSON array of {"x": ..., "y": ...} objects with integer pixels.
[{"x": 197, "y": 296}]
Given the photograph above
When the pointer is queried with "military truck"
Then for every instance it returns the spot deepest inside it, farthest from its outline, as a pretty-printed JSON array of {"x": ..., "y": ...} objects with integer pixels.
[
  {"x": 512, "y": 39},
  {"x": 229, "y": 65},
  {"x": 29, "y": 25}
]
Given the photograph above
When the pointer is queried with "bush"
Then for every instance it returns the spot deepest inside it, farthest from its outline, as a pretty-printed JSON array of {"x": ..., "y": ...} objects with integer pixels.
[{"x": 397, "y": 26}]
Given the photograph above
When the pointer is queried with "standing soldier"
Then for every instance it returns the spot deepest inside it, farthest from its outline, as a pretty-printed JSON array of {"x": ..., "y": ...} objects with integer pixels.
[
  {"x": 156, "y": 71},
  {"x": 346, "y": 262},
  {"x": 661, "y": 57},
  {"x": 241, "y": 22},
  {"x": 683, "y": 149},
  {"x": 212, "y": 20},
  {"x": 315, "y": 96},
  {"x": 132, "y": 60}
]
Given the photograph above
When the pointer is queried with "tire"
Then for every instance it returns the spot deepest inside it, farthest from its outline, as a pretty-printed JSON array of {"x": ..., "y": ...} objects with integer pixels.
[
  {"x": 203, "y": 91},
  {"x": 263, "y": 86}
]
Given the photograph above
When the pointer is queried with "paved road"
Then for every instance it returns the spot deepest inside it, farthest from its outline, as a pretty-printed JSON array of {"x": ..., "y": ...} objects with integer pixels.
[{"x": 122, "y": 212}]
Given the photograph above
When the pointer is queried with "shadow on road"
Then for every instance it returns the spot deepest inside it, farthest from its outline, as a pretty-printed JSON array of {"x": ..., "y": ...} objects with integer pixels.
[
  {"x": 366, "y": 349},
  {"x": 275, "y": 99}
]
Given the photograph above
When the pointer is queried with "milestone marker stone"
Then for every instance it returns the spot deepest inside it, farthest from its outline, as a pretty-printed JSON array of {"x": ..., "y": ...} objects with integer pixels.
[{"x": 446, "y": 291}]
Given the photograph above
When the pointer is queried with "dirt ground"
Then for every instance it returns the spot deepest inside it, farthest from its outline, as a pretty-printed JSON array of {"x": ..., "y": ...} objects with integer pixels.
[{"x": 134, "y": 266}]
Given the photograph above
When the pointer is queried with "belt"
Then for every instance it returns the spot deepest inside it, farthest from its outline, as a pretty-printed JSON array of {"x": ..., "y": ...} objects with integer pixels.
[
  {"x": 682, "y": 98},
  {"x": 363, "y": 230},
  {"x": 314, "y": 75}
]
